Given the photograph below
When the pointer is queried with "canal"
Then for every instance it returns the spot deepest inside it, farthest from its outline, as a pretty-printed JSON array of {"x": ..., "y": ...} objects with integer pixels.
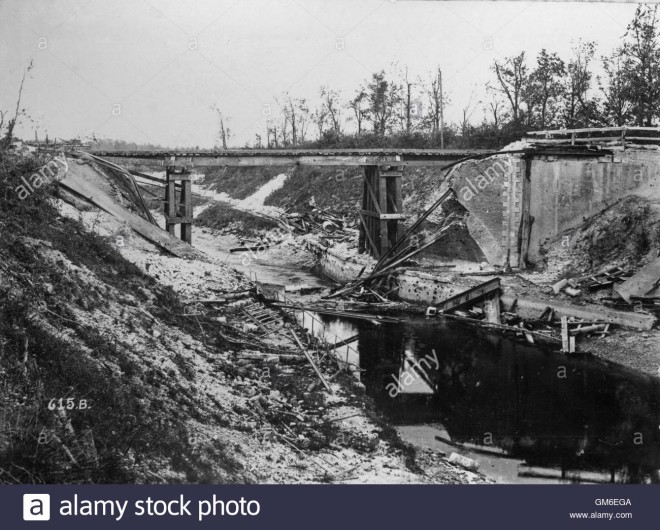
[{"x": 525, "y": 414}]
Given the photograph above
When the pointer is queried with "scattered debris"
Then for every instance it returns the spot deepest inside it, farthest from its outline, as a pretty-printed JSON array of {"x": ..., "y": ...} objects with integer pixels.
[{"x": 645, "y": 282}]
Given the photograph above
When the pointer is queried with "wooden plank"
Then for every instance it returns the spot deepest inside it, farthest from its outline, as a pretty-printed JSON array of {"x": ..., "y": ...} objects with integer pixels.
[
  {"x": 492, "y": 309},
  {"x": 362, "y": 247},
  {"x": 593, "y": 130},
  {"x": 186, "y": 203},
  {"x": 503, "y": 327},
  {"x": 179, "y": 177},
  {"x": 528, "y": 307},
  {"x": 470, "y": 296},
  {"x": 644, "y": 281},
  {"x": 390, "y": 216},
  {"x": 368, "y": 235},
  {"x": 344, "y": 342},
  {"x": 368, "y": 179},
  {"x": 75, "y": 182},
  {"x": 170, "y": 202},
  {"x": 398, "y": 202},
  {"x": 381, "y": 185},
  {"x": 303, "y": 157},
  {"x": 311, "y": 361},
  {"x": 565, "y": 347},
  {"x": 179, "y": 220}
]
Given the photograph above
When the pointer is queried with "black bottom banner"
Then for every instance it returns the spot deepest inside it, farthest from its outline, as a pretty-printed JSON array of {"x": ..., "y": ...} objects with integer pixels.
[{"x": 328, "y": 507}]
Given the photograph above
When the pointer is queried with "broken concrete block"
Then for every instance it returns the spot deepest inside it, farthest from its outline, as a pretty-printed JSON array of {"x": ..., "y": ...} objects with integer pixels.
[
  {"x": 559, "y": 285},
  {"x": 464, "y": 461},
  {"x": 572, "y": 292},
  {"x": 642, "y": 283}
]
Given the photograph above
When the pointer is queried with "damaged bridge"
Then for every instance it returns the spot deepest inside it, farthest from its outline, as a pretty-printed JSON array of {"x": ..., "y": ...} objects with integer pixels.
[
  {"x": 381, "y": 213},
  {"x": 517, "y": 199}
]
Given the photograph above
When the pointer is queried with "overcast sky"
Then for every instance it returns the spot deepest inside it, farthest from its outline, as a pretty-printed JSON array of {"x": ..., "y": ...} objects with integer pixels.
[{"x": 162, "y": 65}]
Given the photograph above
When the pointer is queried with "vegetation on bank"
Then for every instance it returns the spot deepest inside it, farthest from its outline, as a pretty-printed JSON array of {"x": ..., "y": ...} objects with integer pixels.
[
  {"x": 240, "y": 182},
  {"x": 337, "y": 189},
  {"x": 231, "y": 220},
  {"x": 67, "y": 415}
]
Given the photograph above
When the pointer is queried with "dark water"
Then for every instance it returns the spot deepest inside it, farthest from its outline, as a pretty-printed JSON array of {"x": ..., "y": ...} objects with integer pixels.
[{"x": 550, "y": 410}]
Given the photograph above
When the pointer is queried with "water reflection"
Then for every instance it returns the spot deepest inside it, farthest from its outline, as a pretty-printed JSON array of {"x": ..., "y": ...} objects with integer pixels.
[{"x": 548, "y": 409}]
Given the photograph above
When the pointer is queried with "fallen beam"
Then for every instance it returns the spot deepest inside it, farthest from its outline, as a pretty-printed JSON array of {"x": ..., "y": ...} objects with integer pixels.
[
  {"x": 470, "y": 296},
  {"x": 344, "y": 314},
  {"x": 74, "y": 181},
  {"x": 644, "y": 282},
  {"x": 531, "y": 308},
  {"x": 250, "y": 249},
  {"x": 311, "y": 361},
  {"x": 504, "y": 327},
  {"x": 345, "y": 341}
]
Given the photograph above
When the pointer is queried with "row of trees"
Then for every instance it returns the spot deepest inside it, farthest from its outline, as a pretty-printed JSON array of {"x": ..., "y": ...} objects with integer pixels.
[
  {"x": 555, "y": 93},
  {"x": 382, "y": 106},
  {"x": 622, "y": 88}
]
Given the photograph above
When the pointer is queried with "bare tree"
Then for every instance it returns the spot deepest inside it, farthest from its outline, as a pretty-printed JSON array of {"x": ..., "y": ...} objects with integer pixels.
[
  {"x": 223, "y": 132},
  {"x": 296, "y": 115},
  {"x": 320, "y": 118},
  {"x": 495, "y": 108},
  {"x": 467, "y": 112},
  {"x": 408, "y": 112},
  {"x": 11, "y": 124},
  {"x": 437, "y": 102},
  {"x": 360, "y": 109},
  {"x": 512, "y": 80},
  {"x": 330, "y": 99},
  {"x": 272, "y": 139}
]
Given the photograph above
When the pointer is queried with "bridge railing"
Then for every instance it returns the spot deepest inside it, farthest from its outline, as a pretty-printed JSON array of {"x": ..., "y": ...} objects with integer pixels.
[{"x": 600, "y": 135}]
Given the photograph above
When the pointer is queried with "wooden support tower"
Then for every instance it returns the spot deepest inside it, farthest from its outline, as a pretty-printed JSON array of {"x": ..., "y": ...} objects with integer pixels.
[
  {"x": 382, "y": 209},
  {"x": 178, "y": 210}
]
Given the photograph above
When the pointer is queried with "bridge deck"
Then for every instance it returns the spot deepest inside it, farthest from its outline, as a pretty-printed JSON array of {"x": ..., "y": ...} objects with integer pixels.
[{"x": 287, "y": 157}]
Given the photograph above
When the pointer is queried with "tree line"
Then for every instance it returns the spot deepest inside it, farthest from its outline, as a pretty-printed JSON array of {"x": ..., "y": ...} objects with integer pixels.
[{"x": 393, "y": 109}]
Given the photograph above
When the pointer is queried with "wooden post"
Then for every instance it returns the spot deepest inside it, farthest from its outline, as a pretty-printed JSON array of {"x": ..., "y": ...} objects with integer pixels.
[
  {"x": 565, "y": 342},
  {"x": 381, "y": 186},
  {"x": 178, "y": 212},
  {"x": 398, "y": 203},
  {"x": 364, "y": 226},
  {"x": 492, "y": 309},
  {"x": 170, "y": 200},
  {"x": 382, "y": 204},
  {"x": 187, "y": 213}
]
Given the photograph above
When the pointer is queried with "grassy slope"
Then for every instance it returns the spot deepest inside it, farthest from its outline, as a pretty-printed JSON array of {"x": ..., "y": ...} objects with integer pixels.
[
  {"x": 224, "y": 217},
  {"x": 136, "y": 415},
  {"x": 241, "y": 182},
  {"x": 166, "y": 398},
  {"x": 337, "y": 189}
]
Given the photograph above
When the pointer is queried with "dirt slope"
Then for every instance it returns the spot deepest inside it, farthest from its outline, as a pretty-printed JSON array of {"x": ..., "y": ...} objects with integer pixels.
[{"x": 106, "y": 375}]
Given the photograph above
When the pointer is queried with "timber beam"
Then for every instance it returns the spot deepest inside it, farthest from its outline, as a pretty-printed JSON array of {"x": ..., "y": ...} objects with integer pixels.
[
  {"x": 382, "y": 205},
  {"x": 178, "y": 207},
  {"x": 289, "y": 157}
]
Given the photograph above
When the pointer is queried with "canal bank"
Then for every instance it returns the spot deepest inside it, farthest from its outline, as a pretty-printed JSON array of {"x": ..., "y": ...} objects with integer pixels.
[{"x": 521, "y": 413}]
